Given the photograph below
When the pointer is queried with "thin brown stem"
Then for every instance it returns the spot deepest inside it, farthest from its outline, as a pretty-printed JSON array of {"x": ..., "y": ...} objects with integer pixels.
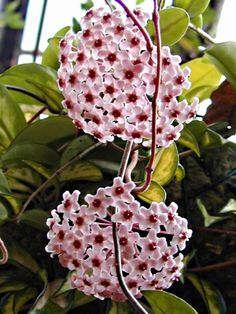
[
  {"x": 133, "y": 301},
  {"x": 55, "y": 174},
  {"x": 203, "y": 34},
  {"x": 186, "y": 153},
  {"x": 37, "y": 114},
  {"x": 109, "y": 4},
  {"x": 149, "y": 167},
  {"x": 204, "y": 269},
  {"x": 132, "y": 165},
  {"x": 215, "y": 230},
  {"x": 138, "y": 24},
  {"x": 4, "y": 252}
]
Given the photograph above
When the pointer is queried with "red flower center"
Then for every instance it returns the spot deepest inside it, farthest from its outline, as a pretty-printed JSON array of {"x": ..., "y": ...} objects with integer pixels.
[
  {"x": 123, "y": 241},
  {"x": 99, "y": 239},
  {"x": 77, "y": 244},
  {"x": 119, "y": 190},
  {"x": 97, "y": 203}
]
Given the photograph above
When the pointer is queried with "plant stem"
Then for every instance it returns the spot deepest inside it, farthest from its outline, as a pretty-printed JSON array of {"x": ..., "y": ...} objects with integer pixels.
[
  {"x": 138, "y": 24},
  {"x": 215, "y": 230},
  {"x": 109, "y": 4},
  {"x": 55, "y": 174},
  {"x": 4, "y": 251},
  {"x": 216, "y": 266},
  {"x": 133, "y": 301},
  {"x": 203, "y": 34},
  {"x": 149, "y": 168},
  {"x": 37, "y": 114},
  {"x": 132, "y": 165}
]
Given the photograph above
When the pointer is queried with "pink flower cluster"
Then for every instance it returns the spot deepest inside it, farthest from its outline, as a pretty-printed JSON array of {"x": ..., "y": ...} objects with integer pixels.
[
  {"x": 108, "y": 78},
  {"x": 81, "y": 236}
]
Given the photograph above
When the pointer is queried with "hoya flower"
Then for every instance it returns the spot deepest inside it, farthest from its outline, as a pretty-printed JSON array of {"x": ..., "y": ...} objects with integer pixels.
[
  {"x": 106, "y": 70},
  {"x": 149, "y": 238}
]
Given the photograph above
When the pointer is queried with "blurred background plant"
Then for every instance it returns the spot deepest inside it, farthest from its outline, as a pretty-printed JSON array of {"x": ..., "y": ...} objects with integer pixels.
[{"x": 40, "y": 158}]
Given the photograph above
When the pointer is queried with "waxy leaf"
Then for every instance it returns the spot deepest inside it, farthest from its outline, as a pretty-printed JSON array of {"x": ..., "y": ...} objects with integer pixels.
[
  {"x": 35, "y": 152},
  {"x": 166, "y": 303},
  {"x": 35, "y": 218},
  {"x": 223, "y": 56},
  {"x": 174, "y": 24},
  {"x": 47, "y": 131},
  {"x": 208, "y": 219},
  {"x": 180, "y": 173},
  {"x": 230, "y": 207},
  {"x": 204, "y": 78},
  {"x": 50, "y": 55},
  {"x": 166, "y": 162},
  {"x": 4, "y": 187},
  {"x": 87, "y": 5},
  {"x": 120, "y": 308},
  {"x": 76, "y": 146},
  {"x": 19, "y": 256},
  {"x": 193, "y": 7},
  {"x": 39, "y": 80},
  {"x": 155, "y": 193},
  {"x": 188, "y": 139},
  {"x": 12, "y": 119},
  {"x": 81, "y": 170},
  {"x": 211, "y": 295}
]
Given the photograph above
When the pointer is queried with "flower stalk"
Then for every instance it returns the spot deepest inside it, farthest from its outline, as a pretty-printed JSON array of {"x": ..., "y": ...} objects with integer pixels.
[{"x": 149, "y": 168}]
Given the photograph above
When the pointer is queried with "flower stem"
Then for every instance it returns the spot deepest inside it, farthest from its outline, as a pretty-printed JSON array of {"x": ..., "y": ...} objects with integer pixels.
[
  {"x": 149, "y": 168},
  {"x": 37, "y": 114},
  {"x": 216, "y": 266},
  {"x": 138, "y": 24},
  {"x": 4, "y": 251},
  {"x": 133, "y": 301}
]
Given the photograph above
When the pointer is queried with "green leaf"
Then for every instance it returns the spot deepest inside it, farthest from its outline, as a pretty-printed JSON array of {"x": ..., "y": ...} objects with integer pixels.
[
  {"x": 193, "y": 7},
  {"x": 212, "y": 297},
  {"x": 166, "y": 303},
  {"x": 4, "y": 187},
  {"x": 155, "y": 193},
  {"x": 174, "y": 24},
  {"x": 12, "y": 119},
  {"x": 223, "y": 56},
  {"x": 47, "y": 131},
  {"x": 208, "y": 219},
  {"x": 120, "y": 308},
  {"x": 37, "y": 79},
  {"x": 87, "y": 5},
  {"x": 180, "y": 173},
  {"x": 78, "y": 145},
  {"x": 187, "y": 139},
  {"x": 165, "y": 165},
  {"x": 81, "y": 170},
  {"x": 50, "y": 55},
  {"x": 12, "y": 6},
  {"x": 36, "y": 152},
  {"x": 7, "y": 304},
  {"x": 139, "y": 2},
  {"x": 23, "y": 297},
  {"x": 19, "y": 256},
  {"x": 3, "y": 212},
  {"x": 211, "y": 139},
  {"x": 76, "y": 27},
  {"x": 12, "y": 286},
  {"x": 197, "y": 21},
  {"x": 204, "y": 78},
  {"x": 230, "y": 207},
  {"x": 35, "y": 218},
  {"x": 80, "y": 299}
]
